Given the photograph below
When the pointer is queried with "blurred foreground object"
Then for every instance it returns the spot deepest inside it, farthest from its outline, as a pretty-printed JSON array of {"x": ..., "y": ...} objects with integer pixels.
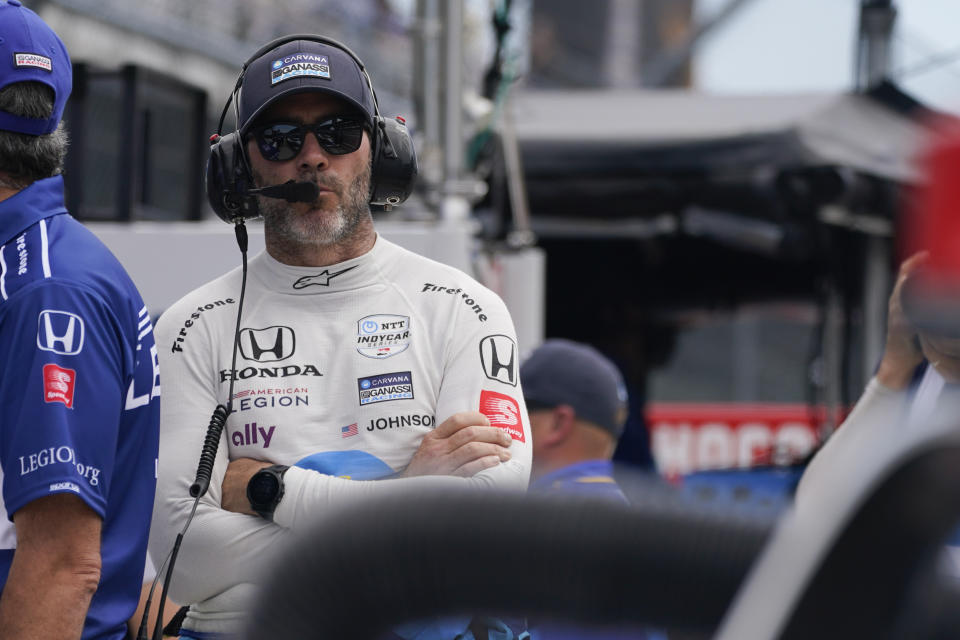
[
  {"x": 857, "y": 561},
  {"x": 932, "y": 296},
  {"x": 377, "y": 563}
]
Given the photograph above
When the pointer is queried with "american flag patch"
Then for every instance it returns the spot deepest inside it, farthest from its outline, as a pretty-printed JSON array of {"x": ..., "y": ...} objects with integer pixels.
[{"x": 349, "y": 430}]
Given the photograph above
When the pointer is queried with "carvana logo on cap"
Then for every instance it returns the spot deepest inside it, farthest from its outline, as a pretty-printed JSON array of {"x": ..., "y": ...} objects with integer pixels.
[{"x": 300, "y": 65}]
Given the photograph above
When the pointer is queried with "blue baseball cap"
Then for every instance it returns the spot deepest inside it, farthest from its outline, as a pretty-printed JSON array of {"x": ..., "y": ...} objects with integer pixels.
[
  {"x": 298, "y": 66},
  {"x": 566, "y": 372},
  {"x": 31, "y": 52}
]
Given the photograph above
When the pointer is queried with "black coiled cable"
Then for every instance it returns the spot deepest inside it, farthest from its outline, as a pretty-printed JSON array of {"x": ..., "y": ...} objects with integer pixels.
[{"x": 209, "y": 453}]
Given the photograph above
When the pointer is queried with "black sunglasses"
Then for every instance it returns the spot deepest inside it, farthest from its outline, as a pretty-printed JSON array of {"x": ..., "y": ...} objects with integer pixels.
[{"x": 281, "y": 141}]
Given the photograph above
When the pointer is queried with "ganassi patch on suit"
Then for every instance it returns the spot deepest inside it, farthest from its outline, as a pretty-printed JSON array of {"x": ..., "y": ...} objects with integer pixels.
[
  {"x": 385, "y": 387},
  {"x": 382, "y": 336},
  {"x": 32, "y": 60},
  {"x": 299, "y": 65},
  {"x": 502, "y": 411}
]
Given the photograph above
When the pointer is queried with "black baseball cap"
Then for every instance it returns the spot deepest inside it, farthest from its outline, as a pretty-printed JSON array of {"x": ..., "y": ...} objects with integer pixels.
[
  {"x": 565, "y": 372},
  {"x": 301, "y": 65}
]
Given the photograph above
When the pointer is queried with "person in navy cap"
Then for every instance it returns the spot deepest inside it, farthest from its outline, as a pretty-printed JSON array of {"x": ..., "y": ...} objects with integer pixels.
[
  {"x": 79, "y": 391},
  {"x": 577, "y": 402}
]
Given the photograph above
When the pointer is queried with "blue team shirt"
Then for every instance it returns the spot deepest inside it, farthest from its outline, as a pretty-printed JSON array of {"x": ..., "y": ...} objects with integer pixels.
[
  {"x": 590, "y": 477},
  {"x": 79, "y": 390}
]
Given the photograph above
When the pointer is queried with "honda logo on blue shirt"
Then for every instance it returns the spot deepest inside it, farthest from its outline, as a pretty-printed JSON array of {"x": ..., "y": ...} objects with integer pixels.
[
  {"x": 267, "y": 345},
  {"x": 60, "y": 332}
]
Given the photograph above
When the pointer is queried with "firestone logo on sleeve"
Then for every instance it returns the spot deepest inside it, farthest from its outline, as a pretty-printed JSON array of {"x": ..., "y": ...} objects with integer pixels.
[
  {"x": 189, "y": 322},
  {"x": 382, "y": 336},
  {"x": 502, "y": 411},
  {"x": 58, "y": 384},
  {"x": 473, "y": 305},
  {"x": 385, "y": 387}
]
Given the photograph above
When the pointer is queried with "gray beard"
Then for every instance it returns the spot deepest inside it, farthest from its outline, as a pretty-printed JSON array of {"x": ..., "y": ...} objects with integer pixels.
[{"x": 291, "y": 232}]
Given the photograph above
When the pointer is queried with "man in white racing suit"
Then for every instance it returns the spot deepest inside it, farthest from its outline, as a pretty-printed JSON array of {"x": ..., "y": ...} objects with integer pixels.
[{"x": 357, "y": 359}]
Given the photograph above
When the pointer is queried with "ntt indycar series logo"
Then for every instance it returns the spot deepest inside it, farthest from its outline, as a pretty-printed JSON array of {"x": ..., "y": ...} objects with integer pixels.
[
  {"x": 383, "y": 335},
  {"x": 385, "y": 387},
  {"x": 298, "y": 66}
]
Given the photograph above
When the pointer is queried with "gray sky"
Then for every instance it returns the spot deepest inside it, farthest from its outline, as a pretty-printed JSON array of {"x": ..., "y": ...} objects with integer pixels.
[{"x": 782, "y": 46}]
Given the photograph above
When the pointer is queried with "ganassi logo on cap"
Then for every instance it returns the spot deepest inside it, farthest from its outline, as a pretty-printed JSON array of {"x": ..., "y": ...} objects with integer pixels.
[
  {"x": 32, "y": 60},
  {"x": 299, "y": 65}
]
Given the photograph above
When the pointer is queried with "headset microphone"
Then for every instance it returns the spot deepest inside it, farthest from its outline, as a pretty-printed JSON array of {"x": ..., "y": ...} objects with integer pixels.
[{"x": 290, "y": 191}]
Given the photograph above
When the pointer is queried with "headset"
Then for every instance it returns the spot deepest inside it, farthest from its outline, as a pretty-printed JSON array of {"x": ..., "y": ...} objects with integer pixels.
[{"x": 229, "y": 179}]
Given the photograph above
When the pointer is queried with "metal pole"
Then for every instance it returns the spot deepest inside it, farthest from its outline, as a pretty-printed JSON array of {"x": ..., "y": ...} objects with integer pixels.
[
  {"x": 427, "y": 69},
  {"x": 455, "y": 206},
  {"x": 873, "y": 63},
  {"x": 873, "y": 44}
]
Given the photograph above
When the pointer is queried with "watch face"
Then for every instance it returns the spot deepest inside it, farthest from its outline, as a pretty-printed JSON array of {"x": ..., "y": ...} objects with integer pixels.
[{"x": 263, "y": 488}]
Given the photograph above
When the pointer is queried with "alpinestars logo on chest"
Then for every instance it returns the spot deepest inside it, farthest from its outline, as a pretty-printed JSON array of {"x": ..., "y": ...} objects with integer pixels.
[{"x": 322, "y": 279}]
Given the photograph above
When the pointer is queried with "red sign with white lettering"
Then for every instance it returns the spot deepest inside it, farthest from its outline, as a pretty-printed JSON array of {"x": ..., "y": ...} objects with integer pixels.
[{"x": 696, "y": 437}]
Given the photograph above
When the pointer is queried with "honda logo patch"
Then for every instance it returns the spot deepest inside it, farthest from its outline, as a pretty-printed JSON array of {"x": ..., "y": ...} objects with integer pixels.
[
  {"x": 498, "y": 355},
  {"x": 267, "y": 345},
  {"x": 60, "y": 332}
]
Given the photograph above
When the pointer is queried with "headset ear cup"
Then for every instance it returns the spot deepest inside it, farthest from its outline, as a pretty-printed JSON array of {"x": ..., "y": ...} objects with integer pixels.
[
  {"x": 228, "y": 180},
  {"x": 394, "y": 164}
]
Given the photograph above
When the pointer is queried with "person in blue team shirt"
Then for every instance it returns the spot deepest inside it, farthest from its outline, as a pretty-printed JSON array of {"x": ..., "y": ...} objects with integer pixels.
[
  {"x": 79, "y": 389},
  {"x": 577, "y": 402}
]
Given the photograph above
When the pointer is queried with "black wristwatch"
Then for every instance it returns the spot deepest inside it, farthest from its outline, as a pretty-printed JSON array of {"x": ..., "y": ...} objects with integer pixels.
[{"x": 265, "y": 489}]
